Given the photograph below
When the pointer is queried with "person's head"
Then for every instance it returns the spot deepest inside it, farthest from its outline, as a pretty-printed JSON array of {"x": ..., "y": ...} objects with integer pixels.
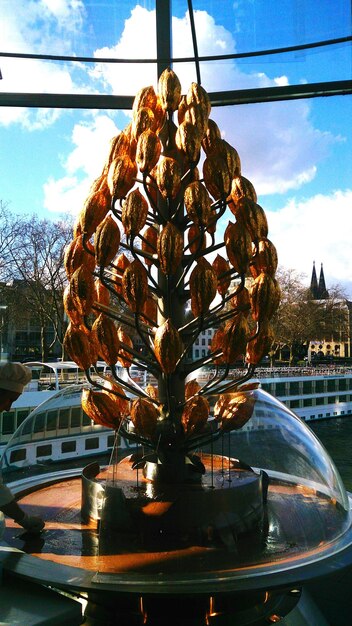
[{"x": 13, "y": 378}]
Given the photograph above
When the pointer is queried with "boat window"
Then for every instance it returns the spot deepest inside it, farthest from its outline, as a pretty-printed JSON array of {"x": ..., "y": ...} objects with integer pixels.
[
  {"x": 64, "y": 418},
  {"x": 86, "y": 420},
  {"x": 307, "y": 386},
  {"x": 341, "y": 398},
  {"x": 27, "y": 427},
  {"x": 18, "y": 455},
  {"x": 76, "y": 413},
  {"x": 319, "y": 386},
  {"x": 45, "y": 450},
  {"x": 8, "y": 422},
  {"x": 319, "y": 401},
  {"x": 38, "y": 426},
  {"x": 294, "y": 388},
  {"x": 307, "y": 402},
  {"x": 51, "y": 420},
  {"x": 68, "y": 446},
  {"x": 331, "y": 399},
  {"x": 280, "y": 389},
  {"x": 111, "y": 440},
  {"x": 331, "y": 385},
  {"x": 342, "y": 384},
  {"x": 21, "y": 416},
  {"x": 294, "y": 404},
  {"x": 92, "y": 443}
]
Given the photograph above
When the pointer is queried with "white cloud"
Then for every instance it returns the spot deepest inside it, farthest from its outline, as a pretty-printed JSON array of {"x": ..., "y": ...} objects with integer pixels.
[
  {"x": 317, "y": 229},
  {"x": 85, "y": 163}
]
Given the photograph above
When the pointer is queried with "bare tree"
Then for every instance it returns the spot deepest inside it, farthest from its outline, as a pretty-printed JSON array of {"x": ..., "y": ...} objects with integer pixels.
[{"x": 33, "y": 265}]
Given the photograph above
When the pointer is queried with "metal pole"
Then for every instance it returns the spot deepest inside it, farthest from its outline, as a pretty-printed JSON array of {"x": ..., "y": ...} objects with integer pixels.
[{"x": 163, "y": 34}]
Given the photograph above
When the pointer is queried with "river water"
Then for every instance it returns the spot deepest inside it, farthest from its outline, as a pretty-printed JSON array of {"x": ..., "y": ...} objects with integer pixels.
[{"x": 336, "y": 436}]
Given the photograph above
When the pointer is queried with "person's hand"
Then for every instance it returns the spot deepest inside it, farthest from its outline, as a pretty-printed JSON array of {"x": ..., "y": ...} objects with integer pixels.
[{"x": 32, "y": 523}]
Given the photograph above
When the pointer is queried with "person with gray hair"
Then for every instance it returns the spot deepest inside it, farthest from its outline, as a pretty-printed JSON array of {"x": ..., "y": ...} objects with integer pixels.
[{"x": 13, "y": 378}]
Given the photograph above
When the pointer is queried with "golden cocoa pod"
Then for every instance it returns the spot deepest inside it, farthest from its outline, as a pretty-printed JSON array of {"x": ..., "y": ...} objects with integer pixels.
[
  {"x": 135, "y": 289},
  {"x": 217, "y": 343},
  {"x": 241, "y": 301},
  {"x": 105, "y": 335},
  {"x": 196, "y": 115},
  {"x": 93, "y": 212},
  {"x": 152, "y": 391},
  {"x": 150, "y": 311},
  {"x": 77, "y": 228},
  {"x": 125, "y": 358},
  {"x": 182, "y": 108},
  {"x": 252, "y": 217},
  {"x": 241, "y": 187},
  {"x": 120, "y": 264},
  {"x": 260, "y": 346},
  {"x": 102, "y": 407},
  {"x": 202, "y": 283},
  {"x": 169, "y": 89},
  {"x": 265, "y": 296},
  {"x": 170, "y": 248},
  {"x": 222, "y": 271},
  {"x": 196, "y": 239},
  {"x": 134, "y": 213},
  {"x": 75, "y": 318},
  {"x": 78, "y": 345},
  {"x": 121, "y": 176},
  {"x": 234, "y": 410},
  {"x": 188, "y": 140},
  {"x": 236, "y": 335},
  {"x": 159, "y": 116},
  {"x": 102, "y": 293},
  {"x": 196, "y": 94},
  {"x": 197, "y": 203},
  {"x": 107, "y": 241},
  {"x": 145, "y": 97},
  {"x": 118, "y": 394},
  {"x": 133, "y": 144},
  {"x": 119, "y": 146},
  {"x": 149, "y": 242},
  {"x": 191, "y": 388},
  {"x": 238, "y": 246},
  {"x": 168, "y": 177},
  {"x": 148, "y": 150},
  {"x": 195, "y": 415},
  {"x": 231, "y": 157},
  {"x": 211, "y": 138},
  {"x": 167, "y": 346},
  {"x": 82, "y": 290},
  {"x": 265, "y": 259},
  {"x": 142, "y": 120},
  {"x": 144, "y": 416},
  {"x": 216, "y": 176},
  {"x": 76, "y": 255}
]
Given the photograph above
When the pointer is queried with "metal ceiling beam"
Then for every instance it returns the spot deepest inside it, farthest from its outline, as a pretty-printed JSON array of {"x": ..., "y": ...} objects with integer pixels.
[
  {"x": 163, "y": 34},
  {"x": 220, "y": 98}
]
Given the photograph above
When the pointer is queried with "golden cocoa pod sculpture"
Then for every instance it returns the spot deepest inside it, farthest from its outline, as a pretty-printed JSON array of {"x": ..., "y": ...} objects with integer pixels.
[
  {"x": 167, "y": 346},
  {"x": 82, "y": 290},
  {"x": 144, "y": 416},
  {"x": 170, "y": 248},
  {"x": 106, "y": 337},
  {"x": 102, "y": 407},
  {"x": 203, "y": 285},
  {"x": 234, "y": 410},
  {"x": 265, "y": 297},
  {"x": 77, "y": 255},
  {"x": 134, "y": 213},
  {"x": 78, "y": 345},
  {"x": 135, "y": 286},
  {"x": 154, "y": 287},
  {"x": 195, "y": 415},
  {"x": 107, "y": 241}
]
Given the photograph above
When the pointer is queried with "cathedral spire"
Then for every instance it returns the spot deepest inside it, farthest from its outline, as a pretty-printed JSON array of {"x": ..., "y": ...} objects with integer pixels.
[
  {"x": 314, "y": 284},
  {"x": 323, "y": 293}
]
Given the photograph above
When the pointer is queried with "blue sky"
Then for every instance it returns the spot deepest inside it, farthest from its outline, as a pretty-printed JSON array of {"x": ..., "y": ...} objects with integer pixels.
[{"x": 297, "y": 154}]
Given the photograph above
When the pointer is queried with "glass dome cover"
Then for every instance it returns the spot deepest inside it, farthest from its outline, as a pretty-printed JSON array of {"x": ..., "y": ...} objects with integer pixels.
[{"x": 307, "y": 512}]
